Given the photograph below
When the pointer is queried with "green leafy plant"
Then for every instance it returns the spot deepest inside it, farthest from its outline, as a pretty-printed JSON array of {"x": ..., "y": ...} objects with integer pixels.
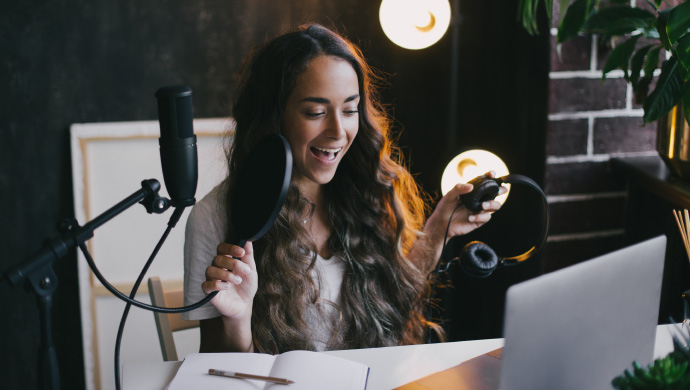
[
  {"x": 670, "y": 373},
  {"x": 640, "y": 36},
  {"x": 664, "y": 373}
]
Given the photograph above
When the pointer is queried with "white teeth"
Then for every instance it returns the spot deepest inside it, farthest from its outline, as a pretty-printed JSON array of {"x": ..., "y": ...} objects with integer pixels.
[{"x": 328, "y": 150}]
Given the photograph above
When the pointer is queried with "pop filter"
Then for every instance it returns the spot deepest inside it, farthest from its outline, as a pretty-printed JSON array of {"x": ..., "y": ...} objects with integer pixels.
[{"x": 261, "y": 187}]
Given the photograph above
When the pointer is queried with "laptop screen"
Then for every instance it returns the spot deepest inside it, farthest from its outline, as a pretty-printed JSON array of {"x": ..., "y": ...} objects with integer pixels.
[
  {"x": 576, "y": 328},
  {"x": 579, "y": 327}
]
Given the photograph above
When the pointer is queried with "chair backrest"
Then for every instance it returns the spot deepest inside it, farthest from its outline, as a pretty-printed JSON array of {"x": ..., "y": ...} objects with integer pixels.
[{"x": 166, "y": 324}]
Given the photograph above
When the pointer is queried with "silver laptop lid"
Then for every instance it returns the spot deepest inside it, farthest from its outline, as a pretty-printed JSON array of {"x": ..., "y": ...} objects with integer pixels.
[{"x": 580, "y": 327}]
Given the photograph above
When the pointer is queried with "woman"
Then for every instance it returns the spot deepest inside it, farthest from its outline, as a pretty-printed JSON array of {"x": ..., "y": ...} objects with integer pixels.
[{"x": 345, "y": 264}]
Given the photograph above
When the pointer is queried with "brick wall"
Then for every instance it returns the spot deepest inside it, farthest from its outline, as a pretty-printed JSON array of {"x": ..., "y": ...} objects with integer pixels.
[{"x": 590, "y": 121}]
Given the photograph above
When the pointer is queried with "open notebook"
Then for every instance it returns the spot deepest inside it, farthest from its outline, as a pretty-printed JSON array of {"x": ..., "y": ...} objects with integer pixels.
[
  {"x": 576, "y": 328},
  {"x": 308, "y": 370}
]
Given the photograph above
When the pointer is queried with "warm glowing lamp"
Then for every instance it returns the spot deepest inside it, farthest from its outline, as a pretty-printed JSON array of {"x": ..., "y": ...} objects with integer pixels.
[
  {"x": 414, "y": 24},
  {"x": 470, "y": 164}
]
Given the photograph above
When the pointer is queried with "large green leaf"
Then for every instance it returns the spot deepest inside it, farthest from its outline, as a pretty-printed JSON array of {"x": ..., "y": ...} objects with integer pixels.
[
  {"x": 684, "y": 73},
  {"x": 619, "y": 20},
  {"x": 654, "y": 4},
  {"x": 620, "y": 57},
  {"x": 642, "y": 89},
  {"x": 636, "y": 63},
  {"x": 651, "y": 63},
  {"x": 528, "y": 14},
  {"x": 525, "y": 14},
  {"x": 678, "y": 24},
  {"x": 682, "y": 51},
  {"x": 574, "y": 19},
  {"x": 563, "y": 7},
  {"x": 667, "y": 93},
  {"x": 661, "y": 28}
]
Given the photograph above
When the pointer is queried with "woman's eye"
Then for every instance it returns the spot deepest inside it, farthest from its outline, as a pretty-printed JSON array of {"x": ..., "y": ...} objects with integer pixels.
[
  {"x": 314, "y": 114},
  {"x": 350, "y": 112}
]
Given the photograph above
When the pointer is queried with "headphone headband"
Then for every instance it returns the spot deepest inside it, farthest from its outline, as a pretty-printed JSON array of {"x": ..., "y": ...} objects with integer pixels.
[{"x": 521, "y": 179}]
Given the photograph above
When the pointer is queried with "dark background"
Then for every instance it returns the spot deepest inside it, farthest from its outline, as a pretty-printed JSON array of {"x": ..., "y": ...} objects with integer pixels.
[{"x": 67, "y": 62}]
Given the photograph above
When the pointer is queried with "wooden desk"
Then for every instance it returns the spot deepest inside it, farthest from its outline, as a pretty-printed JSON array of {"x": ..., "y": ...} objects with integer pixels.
[
  {"x": 652, "y": 193},
  {"x": 390, "y": 367}
]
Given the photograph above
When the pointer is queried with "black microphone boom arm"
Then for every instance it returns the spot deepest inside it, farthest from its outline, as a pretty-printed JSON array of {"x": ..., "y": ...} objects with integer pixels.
[
  {"x": 42, "y": 279},
  {"x": 73, "y": 235}
]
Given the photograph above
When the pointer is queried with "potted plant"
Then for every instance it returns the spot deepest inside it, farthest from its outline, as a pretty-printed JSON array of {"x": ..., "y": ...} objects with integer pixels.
[
  {"x": 639, "y": 37},
  {"x": 669, "y": 373}
]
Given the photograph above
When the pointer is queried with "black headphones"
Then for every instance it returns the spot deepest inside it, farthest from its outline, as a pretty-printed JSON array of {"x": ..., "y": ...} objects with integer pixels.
[{"x": 478, "y": 259}]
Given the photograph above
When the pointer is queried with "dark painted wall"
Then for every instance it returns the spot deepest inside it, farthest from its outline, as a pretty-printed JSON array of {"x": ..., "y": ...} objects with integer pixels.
[{"x": 66, "y": 62}]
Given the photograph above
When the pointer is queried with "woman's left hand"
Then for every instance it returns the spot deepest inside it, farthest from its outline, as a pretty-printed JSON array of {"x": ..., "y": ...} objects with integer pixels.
[{"x": 464, "y": 220}]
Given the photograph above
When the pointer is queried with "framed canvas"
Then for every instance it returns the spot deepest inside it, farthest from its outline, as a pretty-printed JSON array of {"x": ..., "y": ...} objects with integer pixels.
[{"x": 109, "y": 162}]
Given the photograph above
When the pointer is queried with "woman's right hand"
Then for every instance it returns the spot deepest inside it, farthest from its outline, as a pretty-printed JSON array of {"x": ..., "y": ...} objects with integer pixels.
[{"x": 233, "y": 274}]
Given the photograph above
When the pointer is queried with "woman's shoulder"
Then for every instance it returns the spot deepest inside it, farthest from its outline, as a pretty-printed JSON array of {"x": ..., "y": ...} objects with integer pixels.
[
  {"x": 211, "y": 205},
  {"x": 216, "y": 198}
]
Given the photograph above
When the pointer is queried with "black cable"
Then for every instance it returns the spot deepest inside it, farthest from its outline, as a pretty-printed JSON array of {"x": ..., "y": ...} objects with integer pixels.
[
  {"x": 438, "y": 270},
  {"x": 136, "y": 303},
  {"x": 130, "y": 300},
  {"x": 125, "y": 313}
]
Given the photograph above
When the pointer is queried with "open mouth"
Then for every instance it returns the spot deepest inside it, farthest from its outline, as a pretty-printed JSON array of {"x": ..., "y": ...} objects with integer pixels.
[{"x": 325, "y": 154}]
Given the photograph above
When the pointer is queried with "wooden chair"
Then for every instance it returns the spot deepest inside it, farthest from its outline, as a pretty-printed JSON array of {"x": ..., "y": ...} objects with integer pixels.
[{"x": 166, "y": 324}]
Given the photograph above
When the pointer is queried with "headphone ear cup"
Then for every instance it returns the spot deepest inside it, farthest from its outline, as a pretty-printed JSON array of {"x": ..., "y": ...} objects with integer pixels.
[
  {"x": 484, "y": 189},
  {"x": 478, "y": 260}
]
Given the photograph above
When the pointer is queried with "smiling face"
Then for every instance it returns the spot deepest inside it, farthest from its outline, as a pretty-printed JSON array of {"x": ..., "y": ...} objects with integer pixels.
[{"x": 321, "y": 120}]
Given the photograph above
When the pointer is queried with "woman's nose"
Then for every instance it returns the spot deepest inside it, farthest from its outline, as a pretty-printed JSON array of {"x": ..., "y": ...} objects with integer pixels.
[{"x": 335, "y": 127}]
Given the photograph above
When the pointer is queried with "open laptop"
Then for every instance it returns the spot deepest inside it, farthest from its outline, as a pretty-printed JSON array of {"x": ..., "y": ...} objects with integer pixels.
[{"x": 576, "y": 328}]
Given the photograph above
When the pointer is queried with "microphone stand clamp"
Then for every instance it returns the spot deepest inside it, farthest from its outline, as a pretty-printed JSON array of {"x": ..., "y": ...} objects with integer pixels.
[{"x": 153, "y": 202}]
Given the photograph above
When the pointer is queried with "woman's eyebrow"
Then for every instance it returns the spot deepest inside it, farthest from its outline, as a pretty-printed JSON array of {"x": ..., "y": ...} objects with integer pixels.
[
  {"x": 316, "y": 100},
  {"x": 351, "y": 98},
  {"x": 322, "y": 100}
]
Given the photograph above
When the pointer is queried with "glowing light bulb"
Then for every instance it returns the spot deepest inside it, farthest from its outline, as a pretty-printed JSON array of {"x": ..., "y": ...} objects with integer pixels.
[{"x": 414, "y": 24}]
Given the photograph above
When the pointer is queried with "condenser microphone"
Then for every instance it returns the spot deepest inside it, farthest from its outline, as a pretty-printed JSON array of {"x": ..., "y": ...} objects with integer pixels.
[{"x": 178, "y": 144}]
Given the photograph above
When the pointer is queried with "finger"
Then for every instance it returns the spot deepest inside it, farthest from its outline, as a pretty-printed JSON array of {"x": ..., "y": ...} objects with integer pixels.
[
  {"x": 224, "y": 261},
  {"x": 214, "y": 285},
  {"x": 239, "y": 267},
  {"x": 245, "y": 254},
  {"x": 249, "y": 248},
  {"x": 479, "y": 218},
  {"x": 502, "y": 190},
  {"x": 248, "y": 257},
  {"x": 232, "y": 264},
  {"x": 222, "y": 274},
  {"x": 229, "y": 250},
  {"x": 457, "y": 190},
  {"x": 491, "y": 174},
  {"x": 491, "y": 205}
]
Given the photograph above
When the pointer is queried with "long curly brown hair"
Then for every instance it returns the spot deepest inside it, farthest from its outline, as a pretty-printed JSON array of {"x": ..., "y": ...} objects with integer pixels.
[{"x": 375, "y": 209}]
